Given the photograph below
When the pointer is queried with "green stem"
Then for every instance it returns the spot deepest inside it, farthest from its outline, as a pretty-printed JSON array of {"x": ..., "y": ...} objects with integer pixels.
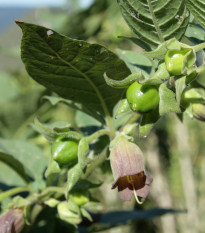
[
  {"x": 101, "y": 158},
  {"x": 199, "y": 47},
  {"x": 133, "y": 118},
  {"x": 53, "y": 189},
  {"x": 13, "y": 191},
  {"x": 97, "y": 135},
  {"x": 155, "y": 21}
]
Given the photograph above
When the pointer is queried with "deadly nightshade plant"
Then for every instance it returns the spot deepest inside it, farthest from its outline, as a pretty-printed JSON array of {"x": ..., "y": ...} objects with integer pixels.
[
  {"x": 74, "y": 70},
  {"x": 129, "y": 173}
]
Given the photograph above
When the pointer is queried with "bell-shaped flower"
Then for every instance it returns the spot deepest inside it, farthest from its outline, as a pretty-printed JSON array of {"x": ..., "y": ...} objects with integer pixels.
[
  {"x": 12, "y": 221},
  {"x": 128, "y": 170}
]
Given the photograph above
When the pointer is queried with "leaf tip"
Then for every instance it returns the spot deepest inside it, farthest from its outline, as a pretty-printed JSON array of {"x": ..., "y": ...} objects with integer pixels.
[{"x": 18, "y": 22}]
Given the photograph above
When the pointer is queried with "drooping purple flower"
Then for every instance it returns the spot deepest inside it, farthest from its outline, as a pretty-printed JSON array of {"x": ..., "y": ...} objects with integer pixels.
[
  {"x": 128, "y": 170},
  {"x": 12, "y": 221}
]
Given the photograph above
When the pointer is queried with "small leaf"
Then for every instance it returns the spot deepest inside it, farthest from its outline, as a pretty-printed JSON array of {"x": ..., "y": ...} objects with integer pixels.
[
  {"x": 83, "y": 149},
  {"x": 85, "y": 185},
  {"x": 180, "y": 85},
  {"x": 158, "y": 77},
  {"x": 123, "y": 106},
  {"x": 123, "y": 83},
  {"x": 74, "y": 175},
  {"x": 160, "y": 51},
  {"x": 161, "y": 74},
  {"x": 200, "y": 77},
  {"x": 66, "y": 213},
  {"x": 86, "y": 214},
  {"x": 52, "y": 202},
  {"x": 19, "y": 202},
  {"x": 167, "y": 101},
  {"x": 72, "y": 68},
  {"x": 51, "y": 133},
  {"x": 148, "y": 121},
  {"x": 53, "y": 168}
]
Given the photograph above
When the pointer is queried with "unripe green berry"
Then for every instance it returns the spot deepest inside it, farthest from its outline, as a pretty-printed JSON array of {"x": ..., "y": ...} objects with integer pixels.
[
  {"x": 142, "y": 98},
  {"x": 174, "y": 60},
  {"x": 65, "y": 151},
  {"x": 198, "y": 111}
]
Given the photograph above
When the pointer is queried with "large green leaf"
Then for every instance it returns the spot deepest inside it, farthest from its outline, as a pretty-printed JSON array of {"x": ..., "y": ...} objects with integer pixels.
[
  {"x": 13, "y": 163},
  {"x": 154, "y": 21},
  {"x": 72, "y": 68},
  {"x": 116, "y": 218},
  {"x": 197, "y": 8},
  {"x": 22, "y": 155}
]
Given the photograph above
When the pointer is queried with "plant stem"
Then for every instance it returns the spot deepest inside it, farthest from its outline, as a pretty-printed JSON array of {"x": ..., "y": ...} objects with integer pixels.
[
  {"x": 132, "y": 119},
  {"x": 52, "y": 189},
  {"x": 97, "y": 135},
  {"x": 13, "y": 191},
  {"x": 155, "y": 21},
  {"x": 96, "y": 162}
]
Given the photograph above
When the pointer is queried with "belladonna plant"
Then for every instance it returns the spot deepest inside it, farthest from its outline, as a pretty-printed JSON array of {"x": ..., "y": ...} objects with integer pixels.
[{"x": 128, "y": 170}]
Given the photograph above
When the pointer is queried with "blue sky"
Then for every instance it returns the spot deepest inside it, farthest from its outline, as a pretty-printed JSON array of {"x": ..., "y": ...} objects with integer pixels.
[{"x": 38, "y": 3}]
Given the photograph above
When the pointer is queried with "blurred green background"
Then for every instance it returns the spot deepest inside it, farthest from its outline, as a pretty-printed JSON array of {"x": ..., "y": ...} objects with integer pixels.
[{"x": 174, "y": 152}]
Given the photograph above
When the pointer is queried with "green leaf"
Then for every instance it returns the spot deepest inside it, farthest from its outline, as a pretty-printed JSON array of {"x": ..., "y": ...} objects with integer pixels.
[
  {"x": 138, "y": 42},
  {"x": 136, "y": 62},
  {"x": 12, "y": 162},
  {"x": 195, "y": 31},
  {"x": 155, "y": 21},
  {"x": 53, "y": 168},
  {"x": 86, "y": 214},
  {"x": 167, "y": 101},
  {"x": 123, "y": 83},
  {"x": 83, "y": 149},
  {"x": 148, "y": 121},
  {"x": 160, "y": 51},
  {"x": 122, "y": 107},
  {"x": 196, "y": 7},
  {"x": 83, "y": 185},
  {"x": 200, "y": 77},
  {"x": 66, "y": 213},
  {"x": 74, "y": 175},
  {"x": 55, "y": 100},
  {"x": 161, "y": 74},
  {"x": 29, "y": 155},
  {"x": 117, "y": 218},
  {"x": 51, "y": 132},
  {"x": 52, "y": 202},
  {"x": 180, "y": 85},
  {"x": 47, "y": 130},
  {"x": 72, "y": 68},
  {"x": 8, "y": 88}
]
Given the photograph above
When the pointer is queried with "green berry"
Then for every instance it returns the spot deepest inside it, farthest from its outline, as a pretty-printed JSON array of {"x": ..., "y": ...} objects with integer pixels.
[
  {"x": 65, "y": 151},
  {"x": 174, "y": 60},
  {"x": 142, "y": 98}
]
